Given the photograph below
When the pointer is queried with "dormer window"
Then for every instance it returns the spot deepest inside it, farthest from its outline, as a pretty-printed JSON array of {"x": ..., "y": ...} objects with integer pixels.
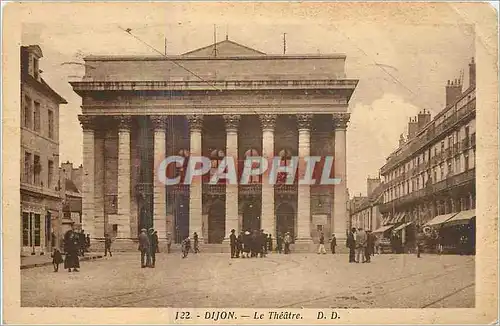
[{"x": 36, "y": 68}]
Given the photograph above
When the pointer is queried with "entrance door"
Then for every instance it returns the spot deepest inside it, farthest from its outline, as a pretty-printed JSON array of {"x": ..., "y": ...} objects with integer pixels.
[
  {"x": 217, "y": 222},
  {"x": 285, "y": 220},
  {"x": 181, "y": 215},
  {"x": 251, "y": 216}
]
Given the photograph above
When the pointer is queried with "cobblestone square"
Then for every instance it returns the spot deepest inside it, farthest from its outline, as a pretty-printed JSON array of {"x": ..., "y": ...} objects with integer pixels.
[{"x": 287, "y": 281}]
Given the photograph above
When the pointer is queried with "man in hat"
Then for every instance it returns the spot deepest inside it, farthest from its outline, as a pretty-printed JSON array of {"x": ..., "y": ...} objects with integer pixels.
[
  {"x": 333, "y": 243},
  {"x": 233, "y": 244},
  {"x": 153, "y": 245},
  {"x": 144, "y": 248},
  {"x": 351, "y": 244},
  {"x": 107, "y": 245}
]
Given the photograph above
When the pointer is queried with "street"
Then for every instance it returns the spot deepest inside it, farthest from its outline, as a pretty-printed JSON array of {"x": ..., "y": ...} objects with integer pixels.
[{"x": 287, "y": 281}]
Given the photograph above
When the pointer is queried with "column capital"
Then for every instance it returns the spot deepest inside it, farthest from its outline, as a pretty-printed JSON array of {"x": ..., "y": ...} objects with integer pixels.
[
  {"x": 232, "y": 121},
  {"x": 267, "y": 121},
  {"x": 124, "y": 121},
  {"x": 88, "y": 122},
  {"x": 340, "y": 120},
  {"x": 195, "y": 122},
  {"x": 304, "y": 121},
  {"x": 159, "y": 121}
]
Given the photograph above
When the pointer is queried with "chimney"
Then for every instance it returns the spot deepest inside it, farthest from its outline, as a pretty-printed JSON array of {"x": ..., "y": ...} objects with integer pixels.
[
  {"x": 472, "y": 73},
  {"x": 371, "y": 184},
  {"x": 401, "y": 140},
  {"x": 423, "y": 118},
  {"x": 412, "y": 128},
  {"x": 453, "y": 91}
]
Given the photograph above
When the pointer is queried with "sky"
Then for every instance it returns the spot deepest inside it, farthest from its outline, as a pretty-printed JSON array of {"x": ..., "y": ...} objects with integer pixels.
[{"x": 400, "y": 55}]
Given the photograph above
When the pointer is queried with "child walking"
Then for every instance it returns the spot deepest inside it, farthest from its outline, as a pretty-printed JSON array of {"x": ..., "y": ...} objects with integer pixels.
[{"x": 56, "y": 259}]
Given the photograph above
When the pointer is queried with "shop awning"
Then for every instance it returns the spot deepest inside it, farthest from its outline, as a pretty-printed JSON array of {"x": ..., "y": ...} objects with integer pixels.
[
  {"x": 402, "y": 226},
  {"x": 400, "y": 217},
  {"x": 383, "y": 228},
  {"x": 440, "y": 219},
  {"x": 462, "y": 217}
]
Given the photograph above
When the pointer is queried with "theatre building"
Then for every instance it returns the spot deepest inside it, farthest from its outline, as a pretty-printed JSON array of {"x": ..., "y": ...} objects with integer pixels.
[
  {"x": 429, "y": 181},
  {"x": 223, "y": 99}
]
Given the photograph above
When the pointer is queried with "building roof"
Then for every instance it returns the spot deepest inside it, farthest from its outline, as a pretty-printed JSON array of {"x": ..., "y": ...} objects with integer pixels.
[
  {"x": 42, "y": 87},
  {"x": 70, "y": 186},
  {"x": 361, "y": 203},
  {"x": 224, "y": 48}
]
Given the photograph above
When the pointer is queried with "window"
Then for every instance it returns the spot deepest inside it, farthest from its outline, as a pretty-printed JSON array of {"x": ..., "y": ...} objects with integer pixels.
[
  {"x": 50, "y": 173},
  {"x": 37, "y": 169},
  {"x": 51, "y": 124},
  {"x": 450, "y": 167},
  {"x": 27, "y": 168},
  {"x": 466, "y": 162},
  {"x": 26, "y": 229},
  {"x": 441, "y": 168},
  {"x": 442, "y": 146},
  {"x": 450, "y": 140},
  {"x": 28, "y": 114},
  {"x": 36, "y": 117},
  {"x": 37, "y": 230},
  {"x": 434, "y": 179},
  {"x": 36, "y": 68}
]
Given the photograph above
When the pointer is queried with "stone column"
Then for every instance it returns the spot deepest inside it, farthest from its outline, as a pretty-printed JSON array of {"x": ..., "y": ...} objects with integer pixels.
[
  {"x": 195, "y": 189},
  {"x": 339, "y": 220},
  {"x": 304, "y": 191},
  {"x": 124, "y": 192},
  {"x": 159, "y": 188},
  {"x": 267, "y": 218},
  {"x": 88, "y": 123},
  {"x": 232, "y": 122}
]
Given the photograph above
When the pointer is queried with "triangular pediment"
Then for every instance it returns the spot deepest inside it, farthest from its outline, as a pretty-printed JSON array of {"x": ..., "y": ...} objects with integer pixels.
[{"x": 224, "y": 48}]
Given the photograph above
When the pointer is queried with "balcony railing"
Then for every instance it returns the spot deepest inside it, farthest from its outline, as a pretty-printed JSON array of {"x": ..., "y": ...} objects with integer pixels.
[
  {"x": 218, "y": 189},
  {"x": 285, "y": 189},
  {"x": 450, "y": 182},
  {"x": 250, "y": 189}
]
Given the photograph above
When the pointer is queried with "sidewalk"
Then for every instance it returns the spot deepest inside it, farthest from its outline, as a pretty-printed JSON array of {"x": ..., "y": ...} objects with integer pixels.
[{"x": 38, "y": 261}]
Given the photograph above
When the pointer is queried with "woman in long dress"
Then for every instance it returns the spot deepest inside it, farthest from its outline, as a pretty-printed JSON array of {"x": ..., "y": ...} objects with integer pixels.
[{"x": 71, "y": 247}]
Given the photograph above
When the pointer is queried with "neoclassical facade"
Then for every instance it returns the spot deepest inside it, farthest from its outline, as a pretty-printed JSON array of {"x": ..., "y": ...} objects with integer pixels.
[{"x": 224, "y": 99}]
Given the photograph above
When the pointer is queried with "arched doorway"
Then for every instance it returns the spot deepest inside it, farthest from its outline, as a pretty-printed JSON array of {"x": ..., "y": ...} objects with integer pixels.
[
  {"x": 216, "y": 222},
  {"x": 251, "y": 216},
  {"x": 285, "y": 219}
]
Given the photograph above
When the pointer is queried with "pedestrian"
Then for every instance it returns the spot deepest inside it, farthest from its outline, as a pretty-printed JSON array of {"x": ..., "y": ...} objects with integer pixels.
[
  {"x": 254, "y": 244},
  {"x": 270, "y": 243},
  {"x": 262, "y": 239},
  {"x": 369, "y": 246},
  {"x": 144, "y": 248},
  {"x": 239, "y": 243},
  {"x": 87, "y": 242},
  {"x": 169, "y": 242},
  {"x": 287, "y": 240},
  {"x": 233, "y": 242},
  {"x": 247, "y": 245},
  {"x": 279, "y": 243},
  {"x": 186, "y": 247},
  {"x": 107, "y": 245},
  {"x": 360, "y": 245},
  {"x": 351, "y": 244},
  {"x": 196, "y": 243},
  {"x": 71, "y": 249},
  {"x": 153, "y": 245},
  {"x": 82, "y": 241},
  {"x": 56, "y": 259},
  {"x": 321, "y": 247},
  {"x": 333, "y": 243}
]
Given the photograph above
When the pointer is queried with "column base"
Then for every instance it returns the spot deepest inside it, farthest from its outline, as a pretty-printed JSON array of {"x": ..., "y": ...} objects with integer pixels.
[{"x": 303, "y": 245}]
